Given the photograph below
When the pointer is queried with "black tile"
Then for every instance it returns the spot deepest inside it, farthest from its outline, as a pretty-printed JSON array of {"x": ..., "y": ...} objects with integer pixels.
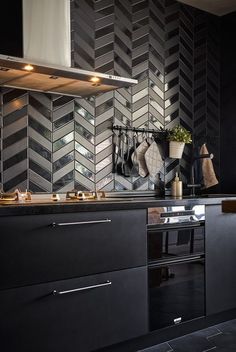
[
  {"x": 40, "y": 107},
  {"x": 61, "y": 101},
  {"x": 63, "y": 120},
  {"x": 38, "y": 148},
  {"x": 13, "y": 94},
  {"x": 15, "y": 181},
  {"x": 35, "y": 188},
  {"x": 40, "y": 170},
  {"x": 163, "y": 347},
  {"x": 40, "y": 128},
  {"x": 208, "y": 332},
  {"x": 62, "y": 182},
  {"x": 14, "y": 138},
  {"x": 225, "y": 349},
  {"x": 14, "y": 116},
  {"x": 228, "y": 326},
  {"x": 17, "y": 158},
  {"x": 223, "y": 340},
  {"x": 191, "y": 343},
  {"x": 57, "y": 165}
]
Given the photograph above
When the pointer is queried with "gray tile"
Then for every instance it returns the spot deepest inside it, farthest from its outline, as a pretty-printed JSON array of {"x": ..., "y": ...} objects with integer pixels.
[
  {"x": 223, "y": 340},
  {"x": 228, "y": 326},
  {"x": 225, "y": 349},
  {"x": 208, "y": 332},
  {"x": 163, "y": 347},
  {"x": 192, "y": 343}
]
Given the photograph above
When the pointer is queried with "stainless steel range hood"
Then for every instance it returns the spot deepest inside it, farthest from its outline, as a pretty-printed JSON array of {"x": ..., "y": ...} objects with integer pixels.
[
  {"x": 47, "y": 56},
  {"x": 57, "y": 79}
]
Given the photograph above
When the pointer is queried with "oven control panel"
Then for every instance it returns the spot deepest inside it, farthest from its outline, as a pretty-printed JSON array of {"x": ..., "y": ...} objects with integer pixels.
[{"x": 176, "y": 214}]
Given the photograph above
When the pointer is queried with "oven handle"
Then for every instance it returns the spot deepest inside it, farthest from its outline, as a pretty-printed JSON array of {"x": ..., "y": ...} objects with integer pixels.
[
  {"x": 176, "y": 226},
  {"x": 175, "y": 261}
]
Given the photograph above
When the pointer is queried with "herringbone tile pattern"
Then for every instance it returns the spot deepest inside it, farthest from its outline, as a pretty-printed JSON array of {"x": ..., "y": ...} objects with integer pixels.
[{"x": 55, "y": 143}]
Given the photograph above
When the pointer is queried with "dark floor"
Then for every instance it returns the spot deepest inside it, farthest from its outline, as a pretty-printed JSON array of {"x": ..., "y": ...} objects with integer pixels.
[{"x": 218, "y": 338}]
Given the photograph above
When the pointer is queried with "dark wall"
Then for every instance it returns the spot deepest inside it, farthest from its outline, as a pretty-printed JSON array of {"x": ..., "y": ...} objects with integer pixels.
[
  {"x": 52, "y": 143},
  {"x": 11, "y": 21},
  {"x": 228, "y": 103}
]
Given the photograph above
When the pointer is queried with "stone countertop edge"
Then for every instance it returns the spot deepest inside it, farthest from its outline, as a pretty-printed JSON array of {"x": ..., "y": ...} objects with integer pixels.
[{"x": 106, "y": 205}]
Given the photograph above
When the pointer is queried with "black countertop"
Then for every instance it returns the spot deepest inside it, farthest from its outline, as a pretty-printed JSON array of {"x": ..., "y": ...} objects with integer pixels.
[{"x": 44, "y": 207}]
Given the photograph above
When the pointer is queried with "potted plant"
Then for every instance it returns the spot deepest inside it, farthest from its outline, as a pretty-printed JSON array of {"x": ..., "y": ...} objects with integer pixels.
[{"x": 177, "y": 137}]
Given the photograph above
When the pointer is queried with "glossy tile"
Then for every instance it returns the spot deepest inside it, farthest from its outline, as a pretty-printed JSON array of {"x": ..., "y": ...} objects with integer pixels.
[
  {"x": 63, "y": 120},
  {"x": 57, "y": 165},
  {"x": 15, "y": 159},
  {"x": 45, "y": 132},
  {"x": 14, "y": 138},
  {"x": 85, "y": 152},
  {"x": 40, "y": 149},
  {"x": 84, "y": 113},
  {"x": 40, "y": 107},
  {"x": 39, "y": 170},
  {"x": 63, "y": 141},
  {"x": 62, "y": 182}
]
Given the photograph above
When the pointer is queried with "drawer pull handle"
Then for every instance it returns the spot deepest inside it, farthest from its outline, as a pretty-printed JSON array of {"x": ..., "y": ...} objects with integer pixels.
[
  {"x": 56, "y": 293},
  {"x": 54, "y": 224}
]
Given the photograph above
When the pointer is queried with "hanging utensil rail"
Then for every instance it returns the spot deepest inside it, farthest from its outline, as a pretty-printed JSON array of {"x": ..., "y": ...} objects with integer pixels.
[{"x": 134, "y": 129}]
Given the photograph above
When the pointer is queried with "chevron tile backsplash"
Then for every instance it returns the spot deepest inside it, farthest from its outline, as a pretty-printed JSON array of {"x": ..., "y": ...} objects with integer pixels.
[{"x": 57, "y": 143}]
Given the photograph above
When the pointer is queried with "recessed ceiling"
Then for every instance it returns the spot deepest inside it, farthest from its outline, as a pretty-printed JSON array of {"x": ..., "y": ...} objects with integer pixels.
[{"x": 216, "y": 7}]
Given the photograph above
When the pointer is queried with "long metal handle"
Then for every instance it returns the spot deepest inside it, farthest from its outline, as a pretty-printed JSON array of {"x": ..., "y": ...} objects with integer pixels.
[
  {"x": 155, "y": 264},
  {"x": 56, "y": 293},
  {"x": 54, "y": 224},
  {"x": 174, "y": 226}
]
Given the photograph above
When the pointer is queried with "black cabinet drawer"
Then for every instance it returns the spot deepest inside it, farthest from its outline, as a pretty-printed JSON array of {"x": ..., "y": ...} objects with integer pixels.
[
  {"x": 220, "y": 260},
  {"x": 111, "y": 307},
  {"x": 41, "y": 248}
]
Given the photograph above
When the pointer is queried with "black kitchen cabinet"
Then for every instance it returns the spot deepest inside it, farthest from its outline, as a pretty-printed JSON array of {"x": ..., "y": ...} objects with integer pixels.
[
  {"x": 43, "y": 248},
  {"x": 72, "y": 281},
  {"x": 111, "y": 307},
  {"x": 220, "y": 260}
]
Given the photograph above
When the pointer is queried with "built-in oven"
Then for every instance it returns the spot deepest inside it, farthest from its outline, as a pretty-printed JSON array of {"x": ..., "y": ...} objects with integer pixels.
[{"x": 176, "y": 270}]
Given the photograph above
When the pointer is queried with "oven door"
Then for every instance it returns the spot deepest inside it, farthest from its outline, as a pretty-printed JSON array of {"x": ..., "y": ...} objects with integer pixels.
[
  {"x": 171, "y": 242},
  {"x": 176, "y": 292}
]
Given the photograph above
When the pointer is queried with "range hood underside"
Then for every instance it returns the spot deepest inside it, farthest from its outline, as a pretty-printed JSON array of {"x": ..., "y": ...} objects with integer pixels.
[{"x": 56, "y": 79}]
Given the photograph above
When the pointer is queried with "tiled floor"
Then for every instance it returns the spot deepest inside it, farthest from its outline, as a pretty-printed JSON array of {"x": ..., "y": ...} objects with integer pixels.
[{"x": 218, "y": 338}]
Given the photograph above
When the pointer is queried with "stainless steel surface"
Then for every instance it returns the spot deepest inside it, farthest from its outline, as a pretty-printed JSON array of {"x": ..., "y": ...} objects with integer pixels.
[
  {"x": 188, "y": 259},
  {"x": 56, "y": 79},
  {"x": 56, "y": 293},
  {"x": 54, "y": 224},
  {"x": 167, "y": 216},
  {"x": 46, "y": 43},
  {"x": 46, "y": 31}
]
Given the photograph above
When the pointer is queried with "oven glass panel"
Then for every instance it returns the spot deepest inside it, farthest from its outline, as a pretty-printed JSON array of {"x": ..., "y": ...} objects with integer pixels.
[
  {"x": 176, "y": 293},
  {"x": 175, "y": 243}
]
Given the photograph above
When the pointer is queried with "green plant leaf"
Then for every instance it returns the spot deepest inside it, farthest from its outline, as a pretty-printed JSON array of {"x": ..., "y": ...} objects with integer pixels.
[{"x": 179, "y": 134}]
